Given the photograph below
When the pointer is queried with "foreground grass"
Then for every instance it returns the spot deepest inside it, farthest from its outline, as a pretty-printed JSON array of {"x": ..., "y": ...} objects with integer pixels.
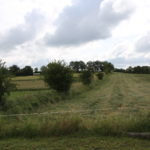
[
  {"x": 75, "y": 143},
  {"x": 47, "y": 125}
]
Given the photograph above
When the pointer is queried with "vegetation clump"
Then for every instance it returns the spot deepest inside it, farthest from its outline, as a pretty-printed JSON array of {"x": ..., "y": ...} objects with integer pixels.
[
  {"x": 58, "y": 76},
  {"x": 5, "y": 83},
  {"x": 100, "y": 75},
  {"x": 86, "y": 77}
]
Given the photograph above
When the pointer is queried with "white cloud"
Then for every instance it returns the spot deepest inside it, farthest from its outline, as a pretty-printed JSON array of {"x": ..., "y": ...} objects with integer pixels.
[
  {"x": 122, "y": 62},
  {"x": 83, "y": 22},
  {"x": 23, "y": 32},
  {"x": 125, "y": 54},
  {"x": 143, "y": 44}
]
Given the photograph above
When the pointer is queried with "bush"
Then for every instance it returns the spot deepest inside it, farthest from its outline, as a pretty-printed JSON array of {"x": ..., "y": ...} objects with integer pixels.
[
  {"x": 58, "y": 76},
  {"x": 5, "y": 83},
  {"x": 100, "y": 75},
  {"x": 86, "y": 77}
]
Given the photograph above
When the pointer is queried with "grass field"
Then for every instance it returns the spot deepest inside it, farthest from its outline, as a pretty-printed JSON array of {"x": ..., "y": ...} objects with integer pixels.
[
  {"x": 26, "y": 78},
  {"x": 119, "y": 93},
  {"x": 107, "y": 107},
  {"x": 30, "y": 84},
  {"x": 75, "y": 143},
  {"x": 34, "y": 82}
]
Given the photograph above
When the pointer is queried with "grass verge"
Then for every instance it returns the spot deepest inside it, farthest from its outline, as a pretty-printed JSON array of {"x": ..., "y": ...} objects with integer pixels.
[{"x": 68, "y": 124}]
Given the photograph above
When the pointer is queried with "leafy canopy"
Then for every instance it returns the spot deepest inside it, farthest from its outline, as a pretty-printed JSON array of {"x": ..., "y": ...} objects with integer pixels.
[{"x": 58, "y": 76}]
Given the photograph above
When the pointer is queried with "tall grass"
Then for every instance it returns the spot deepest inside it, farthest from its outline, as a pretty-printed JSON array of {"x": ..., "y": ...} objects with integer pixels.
[
  {"x": 31, "y": 102},
  {"x": 50, "y": 126}
]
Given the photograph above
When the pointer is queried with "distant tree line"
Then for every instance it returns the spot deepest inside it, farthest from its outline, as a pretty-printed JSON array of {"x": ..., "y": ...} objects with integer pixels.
[
  {"x": 75, "y": 66},
  {"x": 93, "y": 66},
  {"x": 136, "y": 69},
  {"x": 16, "y": 71}
]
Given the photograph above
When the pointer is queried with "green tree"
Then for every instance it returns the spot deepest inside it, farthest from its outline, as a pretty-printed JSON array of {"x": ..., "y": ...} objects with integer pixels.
[
  {"x": 42, "y": 69},
  {"x": 27, "y": 71},
  {"x": 36, "y": 70},
  {"x": 129, "y": 69},
  {"x": 90, "y": 66},
  {"x": 139, "y": 69},
  {"x": 14, "y": 70},
  {"x": 77, "y": 66},
  {"x": 58, "y": 76},
  {"x": 107, "y": 67},
  {"x": 5, "y": 83}
]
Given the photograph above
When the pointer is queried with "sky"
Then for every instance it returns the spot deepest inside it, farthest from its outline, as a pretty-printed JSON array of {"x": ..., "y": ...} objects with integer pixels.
[{"x": 35, "y": 32}]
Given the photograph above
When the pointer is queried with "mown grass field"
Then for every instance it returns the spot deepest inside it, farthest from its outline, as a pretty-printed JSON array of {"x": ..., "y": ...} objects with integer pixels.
[
  {"x": 75, "y": 143},
  {"x": 107, "y": 107},
  {"x": 26, "y": 78},
  {"x": 26, "y": 83},
  {"x": 116, "y": 94}
]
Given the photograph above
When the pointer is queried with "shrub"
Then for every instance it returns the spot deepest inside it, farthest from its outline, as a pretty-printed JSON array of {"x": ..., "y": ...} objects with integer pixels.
[
  {"x": 58, "y": 76},
  {"x": 100, "y": 75},
  {"x": 5, "y": 83},
  {"x": 86, "y": 77}
]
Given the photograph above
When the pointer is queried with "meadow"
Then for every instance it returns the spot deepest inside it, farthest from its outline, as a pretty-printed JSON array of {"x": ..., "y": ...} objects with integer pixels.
[
  {"x": 94, "y": 117},
  {"x": 117, "y": 94}
]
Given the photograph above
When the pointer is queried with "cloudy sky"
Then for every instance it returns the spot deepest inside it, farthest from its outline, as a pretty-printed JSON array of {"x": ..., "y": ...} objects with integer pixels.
[{"x": 35, "y": 32}]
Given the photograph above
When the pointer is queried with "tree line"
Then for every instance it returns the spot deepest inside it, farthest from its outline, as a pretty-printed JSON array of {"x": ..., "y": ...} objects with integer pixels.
[
  {"x": 75, "y": 66},
  {"x": 17, "y": 71},
  {"x": 93, "y": 66},
  {"x": 136, "y": 69}
]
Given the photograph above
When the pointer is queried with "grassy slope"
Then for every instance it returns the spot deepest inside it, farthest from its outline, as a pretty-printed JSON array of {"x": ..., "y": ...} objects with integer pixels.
[{"x": 117, "y": 91}]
